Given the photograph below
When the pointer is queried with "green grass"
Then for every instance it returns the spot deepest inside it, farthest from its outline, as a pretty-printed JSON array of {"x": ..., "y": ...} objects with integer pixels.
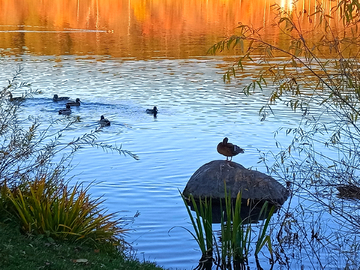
[{"x": 19, "y": 251}]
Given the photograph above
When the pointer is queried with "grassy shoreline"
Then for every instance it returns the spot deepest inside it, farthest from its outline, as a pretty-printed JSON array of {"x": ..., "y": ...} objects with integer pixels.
[{"x": 23, "y": 252}]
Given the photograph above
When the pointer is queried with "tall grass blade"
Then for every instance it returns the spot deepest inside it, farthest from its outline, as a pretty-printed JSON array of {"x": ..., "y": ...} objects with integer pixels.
[
  {"x": 202, "y": 224},
  {"x": 264, "y": 239}
]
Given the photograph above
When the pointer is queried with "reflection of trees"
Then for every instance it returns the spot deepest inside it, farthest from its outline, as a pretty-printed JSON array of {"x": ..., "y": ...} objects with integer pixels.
[
  {"x": 135, "y": 26},
  {"x": 174, "y": 28}
]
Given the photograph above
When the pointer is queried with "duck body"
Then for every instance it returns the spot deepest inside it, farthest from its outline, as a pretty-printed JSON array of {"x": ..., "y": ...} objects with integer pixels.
[
  {"x": 15, "y": 99},
  {"x": 66, "y": 111},
  {"x": 57, "y": 98},
  {"x": 152, "y": 111},
  {"x": 74, "y": 103},
  {"x": 104, "y": 122},
  {"x": 228, "y": 149}
]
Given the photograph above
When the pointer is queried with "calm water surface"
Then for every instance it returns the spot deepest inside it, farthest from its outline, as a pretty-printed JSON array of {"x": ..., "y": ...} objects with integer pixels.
[
  {"x": 196, "y": 110},
  {"x": 120, "y": 65}
]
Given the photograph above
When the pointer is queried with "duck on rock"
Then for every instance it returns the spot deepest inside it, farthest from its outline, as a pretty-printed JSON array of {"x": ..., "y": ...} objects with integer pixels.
[
  {"x": 74, "y": 103},
  {"x": 65, "y": 111},
  {"x": 228, "y": 149},
  {"x": 104, "y": 122},
  {"x": 57, "y": 98}
]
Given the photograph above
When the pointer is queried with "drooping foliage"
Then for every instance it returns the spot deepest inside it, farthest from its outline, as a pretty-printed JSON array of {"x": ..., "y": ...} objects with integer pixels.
[{"x": 314, "y": 69}]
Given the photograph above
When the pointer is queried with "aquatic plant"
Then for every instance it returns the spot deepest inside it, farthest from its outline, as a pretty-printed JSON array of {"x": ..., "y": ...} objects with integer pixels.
[
  {"x": 202, "y": 224},
  {"x": 315, "y": 73},
  {"x": 235, "y": 235},
  {"x": 234, "y": 246}
]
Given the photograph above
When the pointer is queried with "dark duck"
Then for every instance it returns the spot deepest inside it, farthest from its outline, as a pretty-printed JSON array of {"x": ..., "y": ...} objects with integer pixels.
[
  {"x": 152, "y": 111},
  {"x": 57, "y": 98},
  {"x": 74, "y": 103},
  {"x": 65, "y": 111},
  {"x": 104, "y": 122},
  {"x": 228, "y": 149}
]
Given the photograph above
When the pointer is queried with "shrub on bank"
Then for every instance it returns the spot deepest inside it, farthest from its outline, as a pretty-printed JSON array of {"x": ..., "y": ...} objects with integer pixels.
[{"x": 44, "y": 207}]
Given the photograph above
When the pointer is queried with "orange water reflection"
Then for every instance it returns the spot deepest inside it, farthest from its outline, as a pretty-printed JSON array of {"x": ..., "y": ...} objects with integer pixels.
[{"x": 127, "y": 28}]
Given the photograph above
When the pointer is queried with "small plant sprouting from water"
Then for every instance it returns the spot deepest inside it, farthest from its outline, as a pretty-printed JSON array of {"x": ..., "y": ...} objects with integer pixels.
[
  {"x": 263, "y": 238},
  {"x": 202, "y": 224},
  {"x": 233, "y": 249},
  {"x": 235, "y": 235}
]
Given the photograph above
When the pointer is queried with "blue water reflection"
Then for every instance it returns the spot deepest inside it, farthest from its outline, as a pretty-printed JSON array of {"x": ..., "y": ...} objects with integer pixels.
[{"x": 196, "y": 111}]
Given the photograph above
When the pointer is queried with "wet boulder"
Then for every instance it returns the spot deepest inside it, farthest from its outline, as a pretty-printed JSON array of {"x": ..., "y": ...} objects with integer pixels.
[{"x": 210, "y": 181}]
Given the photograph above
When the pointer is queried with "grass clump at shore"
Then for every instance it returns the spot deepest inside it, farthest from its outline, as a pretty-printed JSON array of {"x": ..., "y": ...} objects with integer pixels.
[
  {"x": 46, "y": 224},
  {"x": 52, "y": 208}
]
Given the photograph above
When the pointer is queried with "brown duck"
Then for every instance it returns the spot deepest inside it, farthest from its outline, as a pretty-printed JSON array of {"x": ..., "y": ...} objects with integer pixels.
[
  {"x": 15, "y": 99},
  {"x": 228, "y": 149}
]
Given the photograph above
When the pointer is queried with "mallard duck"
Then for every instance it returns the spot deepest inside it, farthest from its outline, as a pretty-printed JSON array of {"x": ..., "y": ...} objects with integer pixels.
[
  {"x": 228, "y": 149},
  {"x": 65, "y": 111},
  {"x": 104, "y": 122},
  {"x": 152, "y": 111},
  {"x": 74, "y": 103},
  {"x": 16, "y": 99},
  {"x": 57, "y": 98}
]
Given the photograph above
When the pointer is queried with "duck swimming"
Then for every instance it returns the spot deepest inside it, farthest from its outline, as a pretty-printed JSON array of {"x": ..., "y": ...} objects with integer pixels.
[
  {"x": 228, "y": 149},
  {"x": 74, "y": 103},
  {"x": 57, "y": 98},
  {"x": 16, "y": 99},
  {"x": 152, "y": 111},
  {"x": 65, "y": 111},
  {"x": 104, "y": 122}
]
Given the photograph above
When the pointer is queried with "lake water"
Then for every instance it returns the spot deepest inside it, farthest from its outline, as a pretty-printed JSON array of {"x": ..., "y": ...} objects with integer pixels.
[
  {"x": 119, "y": 74},
  {"x": 196, "y": 111}
]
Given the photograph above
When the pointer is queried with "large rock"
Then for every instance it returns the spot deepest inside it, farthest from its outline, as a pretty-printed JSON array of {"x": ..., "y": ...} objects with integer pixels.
[{"x": 208, "y": 181}]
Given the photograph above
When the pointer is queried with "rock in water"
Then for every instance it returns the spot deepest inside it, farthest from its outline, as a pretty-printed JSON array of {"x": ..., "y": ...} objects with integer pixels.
[{"x": 208, "y": 181}]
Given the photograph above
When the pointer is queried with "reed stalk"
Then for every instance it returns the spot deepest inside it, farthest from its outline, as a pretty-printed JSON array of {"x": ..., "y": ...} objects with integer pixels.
[
  {"x": 235, "y": 235},
  {"x": 236, "y": 232},
  {"x": 202, "y": 224}
]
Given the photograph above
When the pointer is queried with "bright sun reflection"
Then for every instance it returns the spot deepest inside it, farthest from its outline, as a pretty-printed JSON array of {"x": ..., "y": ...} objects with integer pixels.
[{"x": 286, "y": 4}]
